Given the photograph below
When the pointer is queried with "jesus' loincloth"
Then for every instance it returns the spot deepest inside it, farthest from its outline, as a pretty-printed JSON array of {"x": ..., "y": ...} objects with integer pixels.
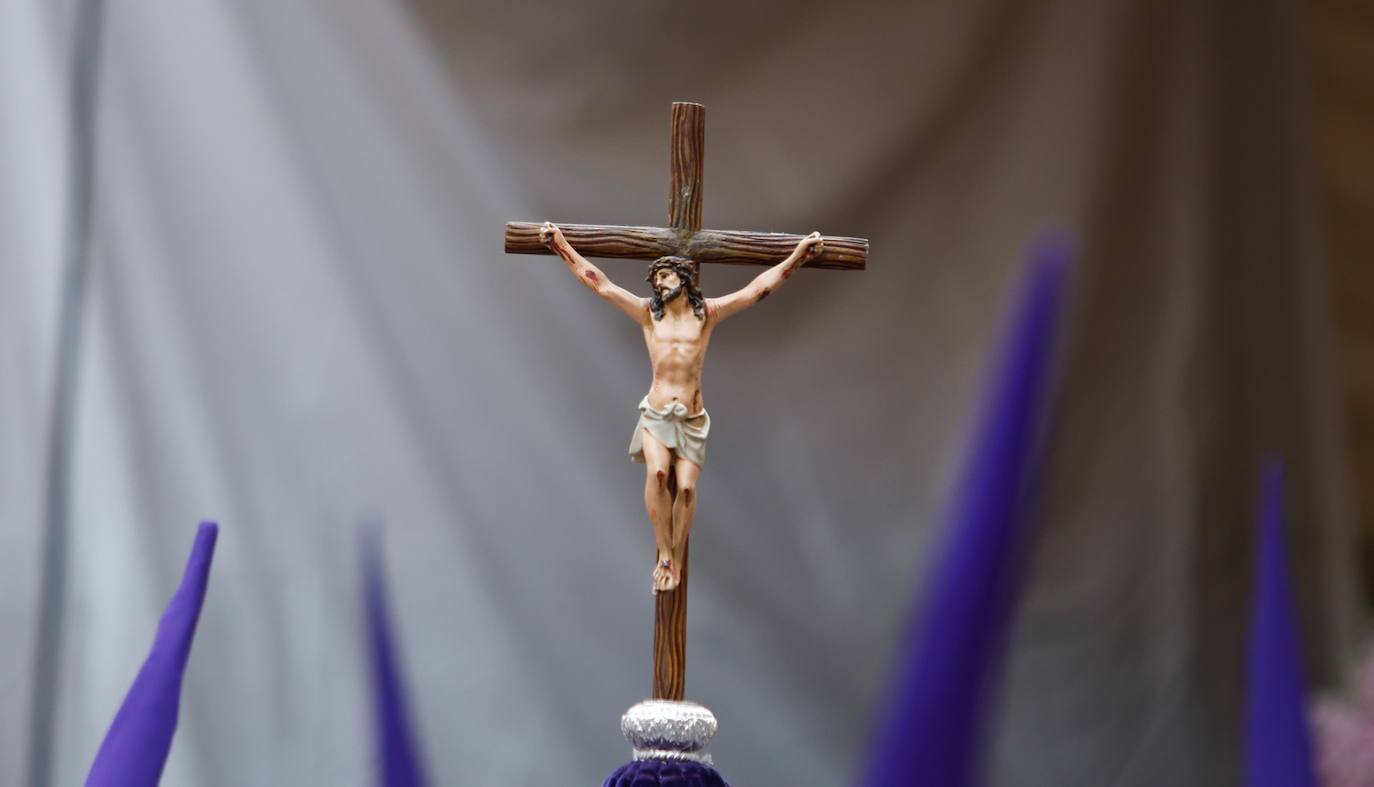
[{"x": 683, "y": 434}]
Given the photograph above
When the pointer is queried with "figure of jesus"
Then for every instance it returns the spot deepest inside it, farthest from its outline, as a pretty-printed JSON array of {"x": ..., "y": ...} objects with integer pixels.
[{"x": 670, "y": 437}]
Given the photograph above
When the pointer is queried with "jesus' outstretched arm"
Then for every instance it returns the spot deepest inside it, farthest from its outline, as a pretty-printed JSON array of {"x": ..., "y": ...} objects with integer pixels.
[
  {"x": 765, "y": 283},
  {"x": 590, "y": 275}
]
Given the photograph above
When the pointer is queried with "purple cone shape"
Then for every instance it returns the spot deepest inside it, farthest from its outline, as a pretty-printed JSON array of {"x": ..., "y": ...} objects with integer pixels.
[
  {"x": 135, "y": 749},
  {"x": 1278, "y": 745},
  {"x": 396, "y": 748},
  {"x": 932, "y": 730}
]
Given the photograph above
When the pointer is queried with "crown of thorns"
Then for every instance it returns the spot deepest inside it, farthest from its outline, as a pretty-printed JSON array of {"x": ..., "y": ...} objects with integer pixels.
[{"x": 682, "y": 266}]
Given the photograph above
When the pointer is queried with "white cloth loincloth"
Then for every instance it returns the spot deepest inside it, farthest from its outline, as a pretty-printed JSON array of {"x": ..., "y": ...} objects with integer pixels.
[{"x": 683, "y": 434}]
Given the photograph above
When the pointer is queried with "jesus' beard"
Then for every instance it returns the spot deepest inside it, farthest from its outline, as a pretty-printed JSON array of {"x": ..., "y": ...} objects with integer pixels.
[{"x": 668, "y": 296}]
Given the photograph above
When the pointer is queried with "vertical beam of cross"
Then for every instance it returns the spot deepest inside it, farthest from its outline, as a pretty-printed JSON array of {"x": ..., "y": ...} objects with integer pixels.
[{"x": 686, "y": 149}]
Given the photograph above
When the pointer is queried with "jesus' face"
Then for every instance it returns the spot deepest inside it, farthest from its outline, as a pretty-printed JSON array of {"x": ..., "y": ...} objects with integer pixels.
[
  {"x": 666, "y": 281},
  {"x": 672, "y": 277}
]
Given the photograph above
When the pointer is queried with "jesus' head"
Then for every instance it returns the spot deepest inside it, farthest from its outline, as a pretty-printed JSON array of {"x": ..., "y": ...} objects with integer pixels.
[{"x": 671, "y": 277}]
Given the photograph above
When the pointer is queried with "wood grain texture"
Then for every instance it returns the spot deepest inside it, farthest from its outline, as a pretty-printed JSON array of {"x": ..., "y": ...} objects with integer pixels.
[
  {"x": 725, "y": 247},
  {"x": 686, "y": 155},
  {"x": 596, "y": 240},
  {"x": 670, "y": 637},
  {"x": 734, "y": 247}
]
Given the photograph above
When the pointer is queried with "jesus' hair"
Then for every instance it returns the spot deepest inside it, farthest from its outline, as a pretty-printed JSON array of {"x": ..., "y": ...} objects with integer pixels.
[{"x": 682, "y": 266}]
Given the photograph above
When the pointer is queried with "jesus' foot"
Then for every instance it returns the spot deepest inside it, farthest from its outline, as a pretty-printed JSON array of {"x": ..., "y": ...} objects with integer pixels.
[{"x": 665, "y": 573}]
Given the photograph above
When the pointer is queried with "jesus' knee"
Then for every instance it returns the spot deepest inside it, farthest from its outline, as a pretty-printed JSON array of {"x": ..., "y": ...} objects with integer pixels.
[
  {"x": 657, "y": 476},
  {"x": 687, "y": 492}
]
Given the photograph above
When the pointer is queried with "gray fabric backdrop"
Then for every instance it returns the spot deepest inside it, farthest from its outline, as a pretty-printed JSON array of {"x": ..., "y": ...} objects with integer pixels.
[{"x": 300, "y": 316}]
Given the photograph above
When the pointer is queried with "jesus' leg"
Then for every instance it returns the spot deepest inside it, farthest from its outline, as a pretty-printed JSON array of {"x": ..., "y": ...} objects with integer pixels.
[
  {"x": 684, "y": 509},
  {"x": 659, "y": 503}
]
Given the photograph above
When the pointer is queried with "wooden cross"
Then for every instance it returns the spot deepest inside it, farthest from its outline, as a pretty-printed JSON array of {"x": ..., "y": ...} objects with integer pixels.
[{"x": 684, "y": 237}]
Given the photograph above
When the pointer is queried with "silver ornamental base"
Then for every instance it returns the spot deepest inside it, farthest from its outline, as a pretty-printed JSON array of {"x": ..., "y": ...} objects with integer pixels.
[{"x": 666, "y": 730}]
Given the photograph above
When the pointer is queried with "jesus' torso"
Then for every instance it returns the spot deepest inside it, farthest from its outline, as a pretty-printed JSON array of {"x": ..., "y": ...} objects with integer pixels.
[{"x": 677, "y": 348}]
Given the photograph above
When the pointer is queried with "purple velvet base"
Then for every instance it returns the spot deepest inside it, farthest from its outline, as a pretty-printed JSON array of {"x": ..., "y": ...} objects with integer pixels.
[{"x": 650, "y": 773}]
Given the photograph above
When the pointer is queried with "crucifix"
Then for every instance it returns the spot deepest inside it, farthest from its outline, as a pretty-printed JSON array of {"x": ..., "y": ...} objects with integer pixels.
[{"x": 670, "y": 436}]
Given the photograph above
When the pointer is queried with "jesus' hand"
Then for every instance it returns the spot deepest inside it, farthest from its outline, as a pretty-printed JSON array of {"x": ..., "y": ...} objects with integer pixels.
[
  {"x": 811, "y": 246},
  {"x": 550, "y": 235}
]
